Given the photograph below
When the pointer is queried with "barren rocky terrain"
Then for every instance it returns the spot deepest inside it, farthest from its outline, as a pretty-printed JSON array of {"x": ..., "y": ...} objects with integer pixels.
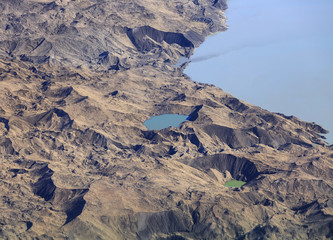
[{"x": 77, "y": 80}]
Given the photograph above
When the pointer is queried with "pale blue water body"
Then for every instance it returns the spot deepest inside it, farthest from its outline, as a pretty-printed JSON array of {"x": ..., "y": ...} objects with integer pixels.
[
  {"x": 277, "y": 54},
  {"x": 181, "y": 61},
  {"x": 165, "y": 121}
]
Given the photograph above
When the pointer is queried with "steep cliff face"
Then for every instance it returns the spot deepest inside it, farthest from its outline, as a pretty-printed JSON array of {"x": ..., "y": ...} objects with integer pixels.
[{"x": 77, "y": 81}]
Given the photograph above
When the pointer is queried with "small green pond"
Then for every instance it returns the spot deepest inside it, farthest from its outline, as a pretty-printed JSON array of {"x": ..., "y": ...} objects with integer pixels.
[
  {"x": 234, "y": 183},
  {"x": 165, "y": 121}
]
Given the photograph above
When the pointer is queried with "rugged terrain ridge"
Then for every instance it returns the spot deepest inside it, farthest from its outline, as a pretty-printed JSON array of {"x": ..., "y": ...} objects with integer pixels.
[{"x": 77, "y": 80}]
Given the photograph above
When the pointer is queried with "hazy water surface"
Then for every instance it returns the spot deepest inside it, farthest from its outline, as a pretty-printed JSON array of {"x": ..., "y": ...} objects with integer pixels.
[{"x": 277, "y": 54}]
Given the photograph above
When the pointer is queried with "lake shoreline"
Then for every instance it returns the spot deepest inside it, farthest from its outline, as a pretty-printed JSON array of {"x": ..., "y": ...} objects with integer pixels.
[{"x": 268, "y": 82}]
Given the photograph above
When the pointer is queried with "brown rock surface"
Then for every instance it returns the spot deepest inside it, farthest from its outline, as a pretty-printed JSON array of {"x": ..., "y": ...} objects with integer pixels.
[{"x": 77, "y": 81}]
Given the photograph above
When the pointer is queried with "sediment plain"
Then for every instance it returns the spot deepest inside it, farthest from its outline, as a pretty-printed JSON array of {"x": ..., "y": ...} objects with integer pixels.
[{"x": 77, "y": 81}]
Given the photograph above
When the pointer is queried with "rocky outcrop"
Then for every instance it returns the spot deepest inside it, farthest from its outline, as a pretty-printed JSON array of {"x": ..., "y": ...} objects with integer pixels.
[
  {"x": 91, "y": 137},
  {"x": 141, "y": 36},
  {"x": 69, "y": 201},
  {"x": 235, "y": 138},
  {"x": 6, "y": 146},
  {"x": 162, "y": 222},
  {"x": 222, "y": 4},
  {"x": 240, "y": 168},
  {"x": 5, "y": 122},
  {"x": 55, "y": 119}
]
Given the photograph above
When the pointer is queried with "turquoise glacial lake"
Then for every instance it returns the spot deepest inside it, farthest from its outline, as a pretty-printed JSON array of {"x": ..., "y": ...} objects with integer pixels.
[
  {"x": 276, "y": 54},
  {"x": 164, "y": 121}
]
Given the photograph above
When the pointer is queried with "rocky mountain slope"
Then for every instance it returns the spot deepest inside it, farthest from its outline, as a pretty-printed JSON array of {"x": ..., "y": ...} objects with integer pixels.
[{"x": 77, "y": 80}]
